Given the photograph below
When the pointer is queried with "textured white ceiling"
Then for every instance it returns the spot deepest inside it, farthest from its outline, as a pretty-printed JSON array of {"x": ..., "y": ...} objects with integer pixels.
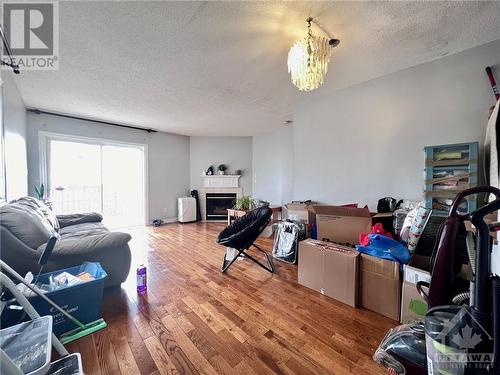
[{"x": 219, "y": 68}]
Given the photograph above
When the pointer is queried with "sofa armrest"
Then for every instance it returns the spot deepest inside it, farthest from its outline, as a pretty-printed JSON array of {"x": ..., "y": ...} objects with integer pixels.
[
  {"x": 17, "y": 254},
  {"x": 73, "y": 219}
]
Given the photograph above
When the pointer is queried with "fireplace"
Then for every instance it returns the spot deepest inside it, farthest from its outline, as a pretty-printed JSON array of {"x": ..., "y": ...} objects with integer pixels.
[
  {"x": 217, "y": 195},
  {"x": 217, "y": 205}
]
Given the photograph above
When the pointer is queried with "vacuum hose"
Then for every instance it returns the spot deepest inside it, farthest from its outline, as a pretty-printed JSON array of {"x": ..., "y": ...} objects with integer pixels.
[
  {"x": 461, "y": 298},
  {"x": 471, "y": 250}
]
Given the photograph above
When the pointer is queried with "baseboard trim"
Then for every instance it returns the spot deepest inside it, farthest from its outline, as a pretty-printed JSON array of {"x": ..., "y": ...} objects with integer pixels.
[{"x": 170, "y": 220}]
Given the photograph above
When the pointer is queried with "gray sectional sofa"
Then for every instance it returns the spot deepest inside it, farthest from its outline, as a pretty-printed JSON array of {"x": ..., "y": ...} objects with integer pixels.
[{"x": 27, "y": 223}]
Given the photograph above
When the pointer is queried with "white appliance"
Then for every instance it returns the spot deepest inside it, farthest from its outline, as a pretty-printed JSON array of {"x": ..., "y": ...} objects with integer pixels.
[{"x": 186, "y": 208}]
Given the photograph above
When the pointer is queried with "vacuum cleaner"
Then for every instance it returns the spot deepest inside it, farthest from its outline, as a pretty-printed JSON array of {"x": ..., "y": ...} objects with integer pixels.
[
  {"x": 461, "y": 330},
  {"x": 81, "y": 329}
]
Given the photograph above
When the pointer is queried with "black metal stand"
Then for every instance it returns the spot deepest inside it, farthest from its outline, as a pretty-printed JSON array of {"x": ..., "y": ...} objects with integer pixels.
[{"x": 242, "y": 252}]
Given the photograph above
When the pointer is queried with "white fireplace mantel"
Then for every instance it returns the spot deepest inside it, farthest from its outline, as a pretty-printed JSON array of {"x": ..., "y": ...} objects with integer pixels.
[
  {"x": 225, "y": 183},
  {"x": 221, "y": 181}
]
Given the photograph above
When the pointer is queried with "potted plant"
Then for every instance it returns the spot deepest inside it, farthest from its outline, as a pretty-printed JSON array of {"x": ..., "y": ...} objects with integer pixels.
[
  {"x": 222, "y": 169},
  {"x": 244, "y": 203},
  {"x": 40, "y": 191},
  {"x": 41, "y": 194}
]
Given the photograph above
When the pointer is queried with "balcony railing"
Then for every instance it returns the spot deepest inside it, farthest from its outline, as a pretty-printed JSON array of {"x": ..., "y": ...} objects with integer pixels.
[
  {"x": 115, "y": 206},
  {"x": 76, "y": 199}
]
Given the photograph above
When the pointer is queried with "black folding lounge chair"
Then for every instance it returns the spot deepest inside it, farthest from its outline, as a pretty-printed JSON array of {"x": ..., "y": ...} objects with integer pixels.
[{"x": 242, "y": 233}]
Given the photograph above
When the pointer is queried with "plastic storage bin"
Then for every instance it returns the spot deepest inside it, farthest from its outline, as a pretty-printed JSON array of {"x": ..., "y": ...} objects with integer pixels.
[{"x": 83, "y": 300}]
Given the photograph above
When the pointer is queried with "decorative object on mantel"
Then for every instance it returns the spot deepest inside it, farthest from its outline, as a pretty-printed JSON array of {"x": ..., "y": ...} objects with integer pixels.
[
  {"x": 222, "y": 169},
  {"x": 308, "y": 59},
  {"x": 210, "y": 171},
  {"x": 244, "y": 203},
  {"x": 237, "y": 172}
]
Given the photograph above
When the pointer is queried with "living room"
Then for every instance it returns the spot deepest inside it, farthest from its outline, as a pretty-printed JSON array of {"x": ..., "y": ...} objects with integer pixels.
[{"x": 250, "y": 187}]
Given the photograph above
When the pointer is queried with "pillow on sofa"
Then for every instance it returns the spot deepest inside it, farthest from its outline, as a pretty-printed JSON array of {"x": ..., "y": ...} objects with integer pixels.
[
  {"x": 76, "y": 219},
  {"x": 42, "y": 209}
]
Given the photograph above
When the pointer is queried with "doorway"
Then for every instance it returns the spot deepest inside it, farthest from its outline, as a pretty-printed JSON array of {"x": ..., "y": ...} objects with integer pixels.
[{"x": 89, "y": 175}]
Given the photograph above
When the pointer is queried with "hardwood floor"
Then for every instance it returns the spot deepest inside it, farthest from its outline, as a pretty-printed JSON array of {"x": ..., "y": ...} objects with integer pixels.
[{"x": 195, "y": 320}]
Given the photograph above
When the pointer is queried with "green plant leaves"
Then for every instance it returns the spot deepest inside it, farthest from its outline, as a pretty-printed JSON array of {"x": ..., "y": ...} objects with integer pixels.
[{"x": 245, "y": 203}]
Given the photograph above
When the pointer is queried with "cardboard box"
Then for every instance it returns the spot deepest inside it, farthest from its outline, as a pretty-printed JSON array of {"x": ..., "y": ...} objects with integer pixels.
[
  {"x": 380, "y": 285},
  {"x": 413, "y": 306},
  {"x": 296, "y": 212},
  {"x": 340, "y": 224},
  {"x": 330, "y": 269}
]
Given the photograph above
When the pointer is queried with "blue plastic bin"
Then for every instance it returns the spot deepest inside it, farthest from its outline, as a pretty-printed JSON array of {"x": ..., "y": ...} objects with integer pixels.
[{"x": 83, "y": 301}]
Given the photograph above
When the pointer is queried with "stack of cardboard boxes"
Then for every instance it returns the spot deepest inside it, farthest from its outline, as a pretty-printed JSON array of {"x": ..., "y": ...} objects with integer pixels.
[{"x": 332, "y": 266}]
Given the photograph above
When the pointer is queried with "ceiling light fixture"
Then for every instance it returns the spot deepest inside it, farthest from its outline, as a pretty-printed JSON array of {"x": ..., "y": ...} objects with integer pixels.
[{"x": 308, "y": 59}]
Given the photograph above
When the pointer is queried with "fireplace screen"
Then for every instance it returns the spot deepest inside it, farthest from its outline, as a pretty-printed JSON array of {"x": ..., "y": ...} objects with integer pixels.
[{"x": 217, "y": 205}]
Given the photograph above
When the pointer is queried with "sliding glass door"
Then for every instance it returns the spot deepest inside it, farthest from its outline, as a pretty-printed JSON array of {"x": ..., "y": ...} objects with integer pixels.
[
  {"x": 97, "y": 177},
  {"x": 123, "y": 185},
  {"x": 75, "y": 183}
]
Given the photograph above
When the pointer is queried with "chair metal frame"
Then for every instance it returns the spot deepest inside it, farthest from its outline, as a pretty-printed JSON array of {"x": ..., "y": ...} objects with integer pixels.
[{"x": 242, "y": 252}]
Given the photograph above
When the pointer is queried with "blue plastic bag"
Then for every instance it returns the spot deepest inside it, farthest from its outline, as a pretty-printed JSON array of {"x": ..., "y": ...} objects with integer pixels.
[{"x": 386, "y": 248}]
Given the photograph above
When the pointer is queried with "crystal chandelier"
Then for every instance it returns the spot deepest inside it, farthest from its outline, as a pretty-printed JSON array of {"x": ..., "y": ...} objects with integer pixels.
[{"x": 308, "y": 60}]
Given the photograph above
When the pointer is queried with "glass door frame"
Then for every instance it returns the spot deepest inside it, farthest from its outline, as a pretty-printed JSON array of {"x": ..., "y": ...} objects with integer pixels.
[
  {"x": 3, "y": 173},
  {"x": 44, "y": 139}
]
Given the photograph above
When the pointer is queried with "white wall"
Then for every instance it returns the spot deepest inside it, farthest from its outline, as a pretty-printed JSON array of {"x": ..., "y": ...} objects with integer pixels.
[
  {"x": 366, "y": 142},
  {"x": 168, "y": 157},
  {"x": 273, "y": 166},
  {"x": 234, "y": 152},
  {"x": 14, "y": 119}
]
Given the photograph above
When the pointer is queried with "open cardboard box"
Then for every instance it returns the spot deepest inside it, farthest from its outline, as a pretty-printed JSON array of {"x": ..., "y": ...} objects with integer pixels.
[
  {"x": 296, "y": 212},
  {"x": 330, "y": 269},
  {"x": 413, "y": 306},
  {"x": 340, "y": 224}
]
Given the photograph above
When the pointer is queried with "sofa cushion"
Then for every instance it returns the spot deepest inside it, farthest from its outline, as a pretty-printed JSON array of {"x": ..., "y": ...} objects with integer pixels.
[
  {"x": 83, "y": 230},
  {"x": 95, "y": 244},
  {"x": 28, "y": 225}
]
